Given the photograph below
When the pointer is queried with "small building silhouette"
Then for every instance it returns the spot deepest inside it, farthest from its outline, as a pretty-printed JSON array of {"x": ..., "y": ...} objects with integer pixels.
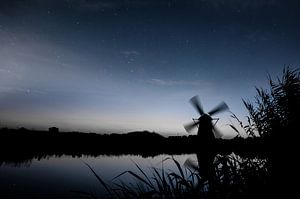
[{"x": 53, "y": 130}]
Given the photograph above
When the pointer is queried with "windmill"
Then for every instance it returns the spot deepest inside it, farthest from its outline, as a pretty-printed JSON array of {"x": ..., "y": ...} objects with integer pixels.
[{"x": 206, "y": 127}]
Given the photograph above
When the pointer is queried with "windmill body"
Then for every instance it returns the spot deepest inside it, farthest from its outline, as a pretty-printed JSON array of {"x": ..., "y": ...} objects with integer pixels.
[{"x": 205, "y": 129}]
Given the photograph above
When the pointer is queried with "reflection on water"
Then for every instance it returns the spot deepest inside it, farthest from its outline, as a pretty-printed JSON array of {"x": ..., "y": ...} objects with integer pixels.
[
  {"x": 61, "y": 176},
  {"x": 67, "y": 176}
]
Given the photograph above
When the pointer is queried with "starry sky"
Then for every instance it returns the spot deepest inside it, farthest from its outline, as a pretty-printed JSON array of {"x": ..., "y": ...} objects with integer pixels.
[{"x": 124, "y": 65}]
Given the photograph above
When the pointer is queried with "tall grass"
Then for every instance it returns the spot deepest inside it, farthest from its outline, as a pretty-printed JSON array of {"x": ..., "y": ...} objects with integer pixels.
[
  {"x": 275, "y": 109},
  {"x": 233, "y": 177},
  {"x": 249, "y": 128}
]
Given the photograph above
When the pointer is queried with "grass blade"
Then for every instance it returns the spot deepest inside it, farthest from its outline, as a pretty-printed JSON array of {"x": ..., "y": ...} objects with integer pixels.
[{"x": 99, "y": 179}]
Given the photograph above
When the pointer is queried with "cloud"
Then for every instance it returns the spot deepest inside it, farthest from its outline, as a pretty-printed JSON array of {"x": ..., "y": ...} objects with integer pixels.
[
  {"x": 130, "y": 52},
  {"x": 161, "y": 82},
  {"x": 11, "y": 90}
]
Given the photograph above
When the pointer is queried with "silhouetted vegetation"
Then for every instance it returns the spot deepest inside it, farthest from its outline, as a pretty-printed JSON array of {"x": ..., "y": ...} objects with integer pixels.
[
  {"x": 231, "y": 177},
  {"x": 22, "y": 145},
  {"x": 276, "y": 109}
]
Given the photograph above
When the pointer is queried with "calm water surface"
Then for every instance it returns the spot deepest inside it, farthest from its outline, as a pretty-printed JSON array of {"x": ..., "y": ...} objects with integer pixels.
[{"x": 66, "y": 176}]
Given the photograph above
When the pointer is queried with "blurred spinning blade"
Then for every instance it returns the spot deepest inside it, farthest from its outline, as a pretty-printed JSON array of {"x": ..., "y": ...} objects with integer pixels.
[
  {"x": 197, "y": 105},
  {"x": 190, "y": 126},
  {"x": 191, "y": 164},
  {"x": 217, "y": 132},
  {"x": 219, "y": 108}
]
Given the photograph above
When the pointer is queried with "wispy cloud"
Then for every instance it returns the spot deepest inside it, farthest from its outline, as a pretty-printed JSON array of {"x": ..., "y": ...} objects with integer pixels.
[
  {"x": 130, "y": 52},
  {"x": 161, "y": 82},
  {"x": 8, "y": 90}
]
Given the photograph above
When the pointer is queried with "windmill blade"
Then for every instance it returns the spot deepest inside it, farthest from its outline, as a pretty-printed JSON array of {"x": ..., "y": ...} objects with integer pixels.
[
  {"x": 191, "y": 164},
  {"x": 217, "y": 133},
  {"x": 188, "y": 127},
  {"x": 197, "y": 105},
  {"x": 219, "y": 108}
]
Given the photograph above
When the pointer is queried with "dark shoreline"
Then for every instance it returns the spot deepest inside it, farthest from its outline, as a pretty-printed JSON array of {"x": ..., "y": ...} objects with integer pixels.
[{"x": 23, "y": 145}]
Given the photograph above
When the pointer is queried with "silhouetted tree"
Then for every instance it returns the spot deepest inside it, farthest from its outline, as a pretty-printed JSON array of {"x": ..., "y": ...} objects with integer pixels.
[{"x": 277, "y": 109}]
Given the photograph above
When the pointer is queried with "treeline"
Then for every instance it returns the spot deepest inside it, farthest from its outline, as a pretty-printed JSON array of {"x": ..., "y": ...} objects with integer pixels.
[{"x": 21, "y": 145}]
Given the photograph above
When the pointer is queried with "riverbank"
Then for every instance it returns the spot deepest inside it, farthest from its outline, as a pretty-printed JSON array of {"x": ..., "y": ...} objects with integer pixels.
[{"x": 21, "y": 145}]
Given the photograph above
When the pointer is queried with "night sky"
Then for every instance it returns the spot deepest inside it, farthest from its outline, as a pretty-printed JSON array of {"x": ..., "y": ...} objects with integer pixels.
[{"x": 121, "y": 65}]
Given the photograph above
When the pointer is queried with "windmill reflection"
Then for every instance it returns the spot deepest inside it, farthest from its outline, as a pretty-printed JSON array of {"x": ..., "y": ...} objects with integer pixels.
[{"x": 204, "y": 165}]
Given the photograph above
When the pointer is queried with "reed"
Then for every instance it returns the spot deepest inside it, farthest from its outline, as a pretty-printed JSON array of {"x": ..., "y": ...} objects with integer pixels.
[
  {"x": 274, "y": 109},
  {"x": 233, "y": 177}
]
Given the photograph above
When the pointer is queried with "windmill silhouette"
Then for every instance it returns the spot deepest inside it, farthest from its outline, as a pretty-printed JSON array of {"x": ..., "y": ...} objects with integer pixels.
[{"x": 206, "y": 127}]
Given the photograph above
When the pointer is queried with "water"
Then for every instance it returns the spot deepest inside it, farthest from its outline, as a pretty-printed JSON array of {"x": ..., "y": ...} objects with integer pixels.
[
  {"x": 69, "y": 177},
  {"x": 66, "y": 176}
]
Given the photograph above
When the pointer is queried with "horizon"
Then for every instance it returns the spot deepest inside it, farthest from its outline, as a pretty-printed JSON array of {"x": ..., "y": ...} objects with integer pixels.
[
  {"x": 98, "y": 133},
  {"x": 133, "y": 65}
]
